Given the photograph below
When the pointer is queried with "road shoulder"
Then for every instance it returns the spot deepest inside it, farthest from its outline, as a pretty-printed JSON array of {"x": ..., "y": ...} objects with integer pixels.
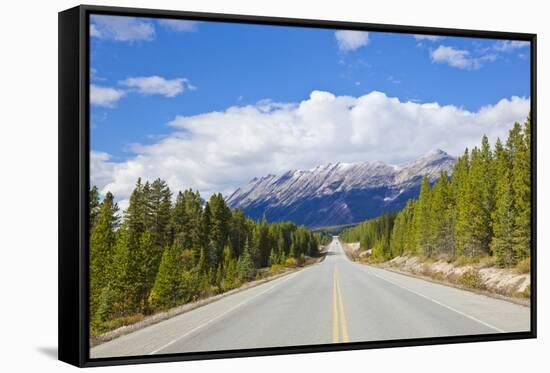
[{"x": 179, "y": 310}]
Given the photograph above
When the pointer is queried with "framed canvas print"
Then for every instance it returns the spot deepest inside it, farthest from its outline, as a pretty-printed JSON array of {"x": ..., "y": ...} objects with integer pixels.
[{"x": 238, "y": 186}]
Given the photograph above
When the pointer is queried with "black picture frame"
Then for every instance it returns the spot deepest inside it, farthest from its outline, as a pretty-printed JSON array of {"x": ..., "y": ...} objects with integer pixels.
[{"x": 74, "y": 151}]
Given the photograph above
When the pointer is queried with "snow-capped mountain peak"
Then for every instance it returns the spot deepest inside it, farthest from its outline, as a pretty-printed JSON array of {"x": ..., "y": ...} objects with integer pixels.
[{"x": 338, "y": 193}]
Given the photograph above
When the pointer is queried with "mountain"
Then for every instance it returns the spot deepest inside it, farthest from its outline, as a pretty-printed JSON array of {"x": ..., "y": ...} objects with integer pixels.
[{"x": 340, "y": 193}]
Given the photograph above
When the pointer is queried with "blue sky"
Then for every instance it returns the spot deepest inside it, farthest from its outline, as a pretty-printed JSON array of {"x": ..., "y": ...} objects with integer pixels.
[{"x": 206, "y": 67}]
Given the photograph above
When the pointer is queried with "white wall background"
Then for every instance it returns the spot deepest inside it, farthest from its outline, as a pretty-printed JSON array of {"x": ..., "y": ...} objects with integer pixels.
[{"x": 28, "y": 186}]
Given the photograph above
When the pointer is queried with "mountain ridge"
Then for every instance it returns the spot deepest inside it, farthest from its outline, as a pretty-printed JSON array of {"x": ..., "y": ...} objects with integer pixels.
[{"x": 338, "y": 193}]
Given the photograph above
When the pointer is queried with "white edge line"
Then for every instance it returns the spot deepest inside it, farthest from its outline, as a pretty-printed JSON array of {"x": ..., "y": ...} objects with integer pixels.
[
  {"x": 238, "y": 305},
  {"x": 439, "y": 303}
]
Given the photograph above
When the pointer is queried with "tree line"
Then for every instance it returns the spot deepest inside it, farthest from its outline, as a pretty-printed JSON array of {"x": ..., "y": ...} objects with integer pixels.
[
  {"x": 484, "y": 209},
  {"x": 164, "y": 253}
]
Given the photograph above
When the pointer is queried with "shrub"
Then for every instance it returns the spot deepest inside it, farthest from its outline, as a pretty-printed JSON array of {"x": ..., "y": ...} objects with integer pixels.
[
  {"x": 462, "y": 260},
  {"x": 275, "y": 269},
  {"x": 471, "y": 279},
  {"x": 524, "y": 266},
  {"x": 290, "y": 262}
]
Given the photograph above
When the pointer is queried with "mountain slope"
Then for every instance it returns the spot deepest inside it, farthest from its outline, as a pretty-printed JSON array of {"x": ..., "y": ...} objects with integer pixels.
[{"x": 340, "y": 193}]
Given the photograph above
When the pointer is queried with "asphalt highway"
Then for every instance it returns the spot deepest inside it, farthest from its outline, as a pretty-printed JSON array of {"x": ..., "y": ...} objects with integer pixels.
[{"x": 334, "y": 301}]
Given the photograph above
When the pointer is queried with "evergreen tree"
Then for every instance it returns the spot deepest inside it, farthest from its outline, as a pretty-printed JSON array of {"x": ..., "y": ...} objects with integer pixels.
[
  {"x": 119, "y": 281},
  {"x": 519, "y": 146},
  {"x": 94, "y": 205},
  {"x": 219, "y": 227},
  {"x": 441, "y": 225},
  {"x": 168, "y": 290},
  {"x": 245, "y": 266},
  {"x": 102, "y": 241},
  {"x": 461, "y": 194},
  {"x": 238, "y": 232},
  {"x": 400, "y": 231},
  {"x": 204, "y": 232},
  {"x": 503, "y": 215},
  {"x": 422, "y": 219},
  {"x": 479, "y": 200}
]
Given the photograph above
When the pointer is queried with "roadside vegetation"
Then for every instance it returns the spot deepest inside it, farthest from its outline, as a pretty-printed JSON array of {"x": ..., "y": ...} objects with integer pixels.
[
  {"x": 163, "y": 253},
  {"x": 480, "y": 215}
]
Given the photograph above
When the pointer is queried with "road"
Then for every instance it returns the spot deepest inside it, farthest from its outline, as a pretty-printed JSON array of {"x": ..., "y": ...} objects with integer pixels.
[{"x": 335, "y": 301}]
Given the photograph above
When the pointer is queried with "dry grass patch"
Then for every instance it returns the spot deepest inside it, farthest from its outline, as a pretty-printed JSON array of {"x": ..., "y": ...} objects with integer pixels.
[
  {"x": 471, "y": 279},
  {"x": 524, "y": 266}
]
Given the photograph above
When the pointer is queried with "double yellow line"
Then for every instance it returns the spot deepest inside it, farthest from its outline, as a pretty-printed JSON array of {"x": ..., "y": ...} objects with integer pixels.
[{"x": 338, "y": 313}]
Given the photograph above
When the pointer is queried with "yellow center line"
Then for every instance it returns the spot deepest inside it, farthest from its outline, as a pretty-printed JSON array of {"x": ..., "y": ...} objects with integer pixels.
[
  {"x": 335, "y": 337},
  {"x": 338, "y": 312}
]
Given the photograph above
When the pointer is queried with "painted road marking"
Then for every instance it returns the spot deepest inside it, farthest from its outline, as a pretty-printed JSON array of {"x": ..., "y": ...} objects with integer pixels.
[
  {"x": 222, "y": 314},
  {"x": 439, "y": 303},
  {"x": 335, "y": 327},
  {"x": 338, "y": 311}
]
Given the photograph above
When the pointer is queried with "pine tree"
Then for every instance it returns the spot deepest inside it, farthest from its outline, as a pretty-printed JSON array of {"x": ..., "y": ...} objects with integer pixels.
[
  {"x": 461, "y": 193},
  {"x": 204, "y": 233},
  {"x": 159, "y": 201},
  {"x": 479, "y": 199},
  {"x": 245, "y": 266},
  {"x": 168, "y": 290},
  {"x": 179, "y": 220},
  {"x": 441, "y": 224},
  {"x": 502, "y": 244},
  {"x": 94, "y": 205},
  {"x": 400, "y": 231},
  {"x": 135, "y": 214},
  {"x": 119, "y": 281},
  {"x": 422, "y": 219},
  {"x": 102, "y": 241},
  {"x": 238, "y": 232},
  {"x": 219, "y": 228},
  {"x": 519, "y": 146}
]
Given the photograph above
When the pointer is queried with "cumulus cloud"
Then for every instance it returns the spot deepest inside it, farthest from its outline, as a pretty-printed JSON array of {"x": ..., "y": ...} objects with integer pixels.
[
  {"x": 121, "y": 28},
  {"x": 101, "y": 168},
  {"x": 220, "y": 151},
  {"x": 351, "y": 40},
  {"x": 179, "y": 25},
  {"x": 105, "y": 96},
  {"x": 157, "y": 85},
  {"x": 460, "y": 58},
  {"x": 510, "y": 45},
  {"x": 428, "y": 37}
]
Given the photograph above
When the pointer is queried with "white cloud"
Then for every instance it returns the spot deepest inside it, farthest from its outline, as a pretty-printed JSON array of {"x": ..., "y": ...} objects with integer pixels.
[
  {"x": 219, "y": 151},
  {"x": 121, "y": 28},
  {"x": 179, "y": 25},
  {"x": 157, "y": 85},
  {"x": 510, "y": 45},
  {"x": 94, "y": 32},
  {"x": 101, "y": 168},
  {"x": 428, "y": 37},
  {"x": 105, "y": 96},
  {"x": 453, "y": 57},
  {"x": 351, "y": 40},
  {"x": 460, "y": 58}
]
